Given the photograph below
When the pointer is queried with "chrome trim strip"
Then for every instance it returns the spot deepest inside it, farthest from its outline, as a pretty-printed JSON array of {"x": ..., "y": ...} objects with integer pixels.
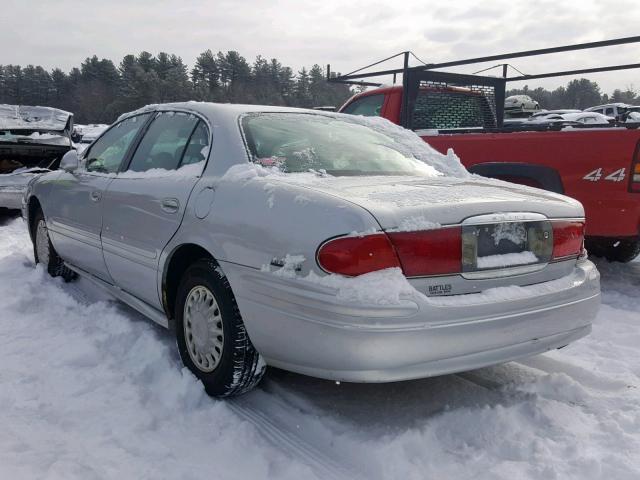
[{"x": 507, "y": 217}]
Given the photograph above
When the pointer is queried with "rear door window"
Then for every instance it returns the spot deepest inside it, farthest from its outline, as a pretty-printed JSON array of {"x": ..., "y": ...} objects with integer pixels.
[
  {"x": 198, "y": 148},
  {"x": 164, "y": 143},
  {"x": 369, "y": 106}
]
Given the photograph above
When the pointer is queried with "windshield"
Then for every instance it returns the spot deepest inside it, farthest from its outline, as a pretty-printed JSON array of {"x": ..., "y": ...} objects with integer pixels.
[{"x": 299, "y": 142}]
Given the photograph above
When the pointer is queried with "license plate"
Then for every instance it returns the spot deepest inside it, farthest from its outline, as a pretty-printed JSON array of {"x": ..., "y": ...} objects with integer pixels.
[{"x": 506, "y": 244}]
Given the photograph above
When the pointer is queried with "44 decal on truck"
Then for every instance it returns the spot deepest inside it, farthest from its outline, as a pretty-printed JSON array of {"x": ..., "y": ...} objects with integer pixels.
[{"x": 597, "y": 174}]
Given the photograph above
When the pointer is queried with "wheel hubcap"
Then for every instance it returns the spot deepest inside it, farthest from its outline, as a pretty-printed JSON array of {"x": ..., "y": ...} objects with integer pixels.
[
  {"x": 42, "y": 243},
  {"x": 203, "y": 329}
]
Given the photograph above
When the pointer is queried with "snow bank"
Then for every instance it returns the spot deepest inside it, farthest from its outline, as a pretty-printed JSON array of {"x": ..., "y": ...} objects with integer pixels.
[{"x": 89, "y": 389}]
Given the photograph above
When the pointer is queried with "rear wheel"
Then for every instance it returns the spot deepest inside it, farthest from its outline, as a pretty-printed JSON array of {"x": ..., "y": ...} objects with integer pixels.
[
  {"x": 45, "y": 254},
  {"x": 210, "y": 333},
  {"x": 614, "y": 250}
]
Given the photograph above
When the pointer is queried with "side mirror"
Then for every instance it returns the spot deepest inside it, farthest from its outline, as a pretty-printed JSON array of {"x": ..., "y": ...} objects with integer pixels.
[{"x": 70, "y": 161}]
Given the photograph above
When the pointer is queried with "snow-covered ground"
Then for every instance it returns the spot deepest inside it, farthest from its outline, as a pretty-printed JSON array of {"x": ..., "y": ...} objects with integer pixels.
[{"x": 89, "y": 389}]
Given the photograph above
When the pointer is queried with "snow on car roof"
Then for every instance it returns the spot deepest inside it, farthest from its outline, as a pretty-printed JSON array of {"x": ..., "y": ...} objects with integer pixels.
[{"x": 25, "y": 117}]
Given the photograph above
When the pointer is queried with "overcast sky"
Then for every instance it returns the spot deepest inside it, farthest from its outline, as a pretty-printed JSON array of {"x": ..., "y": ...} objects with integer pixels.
[{"x": 346, "y": 33}]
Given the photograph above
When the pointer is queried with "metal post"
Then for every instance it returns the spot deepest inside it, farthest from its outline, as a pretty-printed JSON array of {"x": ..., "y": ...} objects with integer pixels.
[{"x": 404, "y": 111}]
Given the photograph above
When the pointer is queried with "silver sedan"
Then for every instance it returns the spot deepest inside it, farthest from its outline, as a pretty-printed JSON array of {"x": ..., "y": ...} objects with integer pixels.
[{"x": 330, "y": 245}]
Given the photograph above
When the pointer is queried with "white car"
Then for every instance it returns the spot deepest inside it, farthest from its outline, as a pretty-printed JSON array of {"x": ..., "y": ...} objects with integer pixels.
[
  {"x": 544, "y": 113},
  {"x": 617, "y": 110},
  {"x": 521, "y": 102},
  {"x": 586, "y": 118}
]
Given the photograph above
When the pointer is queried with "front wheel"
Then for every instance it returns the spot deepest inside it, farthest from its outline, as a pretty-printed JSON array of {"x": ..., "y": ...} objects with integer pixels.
[
  {"x": 210, "y": 333},
  {"x": 45, "y": 254},
  {"x": 613, "y": 249}
]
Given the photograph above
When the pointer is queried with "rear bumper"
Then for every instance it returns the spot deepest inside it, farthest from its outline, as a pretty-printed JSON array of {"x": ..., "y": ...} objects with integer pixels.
[{"x": 301, "y": 327}]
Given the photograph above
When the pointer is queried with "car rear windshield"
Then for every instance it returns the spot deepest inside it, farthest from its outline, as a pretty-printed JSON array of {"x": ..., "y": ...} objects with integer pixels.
[{"x": 299, "y": 142}]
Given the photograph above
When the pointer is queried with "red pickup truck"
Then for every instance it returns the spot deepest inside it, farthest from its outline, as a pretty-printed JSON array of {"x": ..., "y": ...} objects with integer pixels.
[{"x": 598, "y": 166}]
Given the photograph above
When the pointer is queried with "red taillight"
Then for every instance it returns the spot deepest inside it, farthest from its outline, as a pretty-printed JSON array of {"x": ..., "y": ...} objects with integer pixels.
[
  {"x": 634, "y": 184},
  {"x": 568, "y": 239},
  {"x": 429, "y": 252},
  {"x": 354, "y": 256}
]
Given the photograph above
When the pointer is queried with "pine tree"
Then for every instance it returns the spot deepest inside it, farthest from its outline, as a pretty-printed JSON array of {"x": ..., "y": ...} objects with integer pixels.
[
  {"x": 205, "y": 77},
  {"x": 302, "y": 96}
]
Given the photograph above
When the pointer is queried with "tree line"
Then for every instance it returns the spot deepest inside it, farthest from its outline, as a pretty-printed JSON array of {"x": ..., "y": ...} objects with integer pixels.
[
  {"x": 99, "y": 91},
  {"x": 578, "y": 94}
]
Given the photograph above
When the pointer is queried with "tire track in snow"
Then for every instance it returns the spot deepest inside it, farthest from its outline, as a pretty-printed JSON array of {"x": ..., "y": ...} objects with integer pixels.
[{"x": 289, "y": 438}]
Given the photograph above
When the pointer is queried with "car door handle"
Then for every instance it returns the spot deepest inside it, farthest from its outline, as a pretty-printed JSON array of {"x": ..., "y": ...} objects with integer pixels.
[
  {"x": 96, "y": 196},
  {"x": 170, "y": 205}
]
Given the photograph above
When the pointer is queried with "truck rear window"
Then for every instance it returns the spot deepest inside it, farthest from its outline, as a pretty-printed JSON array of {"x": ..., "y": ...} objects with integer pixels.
[{"x": 444, "y": 109}]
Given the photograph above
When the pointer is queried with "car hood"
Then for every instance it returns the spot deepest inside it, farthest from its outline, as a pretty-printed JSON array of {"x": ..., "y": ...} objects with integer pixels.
[{"x": 399, "y": 201}]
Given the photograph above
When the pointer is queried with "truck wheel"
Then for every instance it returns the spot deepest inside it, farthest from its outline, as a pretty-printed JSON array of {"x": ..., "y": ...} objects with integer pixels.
[
  {"x": 210, "y": 333},
  {"x": 614, "y": 250},
  {"x": 45, "y": 254}
]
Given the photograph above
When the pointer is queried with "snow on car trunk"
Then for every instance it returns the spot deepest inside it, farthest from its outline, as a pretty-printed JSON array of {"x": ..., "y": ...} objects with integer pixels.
[
  {"x": 394, "y": 200},
  {"x": 89, "y": 389}
]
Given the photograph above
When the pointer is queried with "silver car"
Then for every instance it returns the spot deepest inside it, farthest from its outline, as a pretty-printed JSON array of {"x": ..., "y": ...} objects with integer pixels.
[
  {"x": 326, "y": 244},
  {"x": 521, "y": 102}
]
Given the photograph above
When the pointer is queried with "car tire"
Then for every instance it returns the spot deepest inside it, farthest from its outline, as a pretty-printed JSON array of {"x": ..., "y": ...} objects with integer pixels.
[
  {"x": 211, "y": 336},
  {"x": 45, "y": 254},
  {"x": 614, "y": 250}
]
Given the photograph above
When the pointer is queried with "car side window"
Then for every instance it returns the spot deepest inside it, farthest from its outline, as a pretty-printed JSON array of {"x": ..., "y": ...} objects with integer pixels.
[
  {"x": 369, "y": 106},
  {"x": 164, "y": 142},
  {"x": 609, "y": 112},
  {"x": 198, "y": 148},
  {"x": 107, "y": 153}
]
